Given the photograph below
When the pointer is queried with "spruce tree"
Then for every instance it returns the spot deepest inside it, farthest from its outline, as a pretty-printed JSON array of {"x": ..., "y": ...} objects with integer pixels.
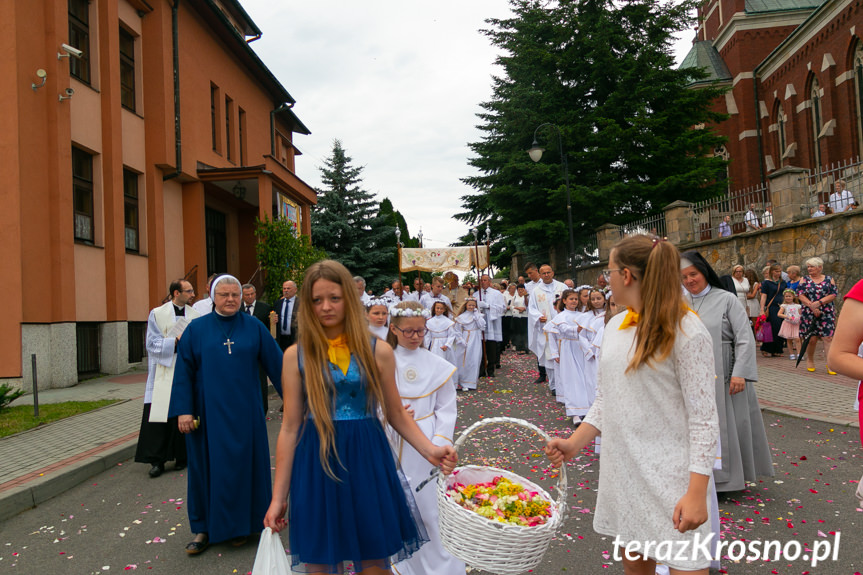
[
  {"x": 345, "y": 222},
  {"x": 603, "y": 73}
]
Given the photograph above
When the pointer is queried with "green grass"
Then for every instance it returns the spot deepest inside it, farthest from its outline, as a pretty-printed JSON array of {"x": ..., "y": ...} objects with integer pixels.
[{"x": 20, "y": 417}]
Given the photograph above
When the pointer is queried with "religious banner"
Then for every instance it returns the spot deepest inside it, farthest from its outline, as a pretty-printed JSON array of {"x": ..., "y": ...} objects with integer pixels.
[
  {"x": 290, "y": 211},
  {"x": 443, "y": 259}
]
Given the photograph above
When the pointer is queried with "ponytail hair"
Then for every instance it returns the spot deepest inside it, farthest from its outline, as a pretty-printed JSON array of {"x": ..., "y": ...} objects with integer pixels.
[{"x": 656, "y": 264}]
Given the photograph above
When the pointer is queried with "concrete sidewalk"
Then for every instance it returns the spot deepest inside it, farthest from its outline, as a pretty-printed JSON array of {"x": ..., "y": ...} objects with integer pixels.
[
  {"x": 46, "y": 461},
  {"x": 43, "y": 462}
]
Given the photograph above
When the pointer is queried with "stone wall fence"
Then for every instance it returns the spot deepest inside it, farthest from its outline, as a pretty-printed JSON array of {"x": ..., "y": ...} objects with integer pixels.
[{"x": 794, "y": 236}]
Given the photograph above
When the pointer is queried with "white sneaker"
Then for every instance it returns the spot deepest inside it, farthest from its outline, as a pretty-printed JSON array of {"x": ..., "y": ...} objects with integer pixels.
[
  {"x": 576, "y": 420},
  {"x": 792, "y": 357}
]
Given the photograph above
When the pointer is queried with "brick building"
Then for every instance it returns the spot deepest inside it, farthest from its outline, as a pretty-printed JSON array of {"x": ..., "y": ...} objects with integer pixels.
[
  {"x": 139, "y": 141},
  {"x": 795, "y": 73}
]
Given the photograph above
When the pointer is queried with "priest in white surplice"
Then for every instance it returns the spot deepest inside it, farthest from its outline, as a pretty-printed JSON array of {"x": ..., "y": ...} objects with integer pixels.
[
  {"x": 428, "y": 299},
  {"x": 540, "y": 309},
  {"x": 492, "y": 306},
  {"x": 532, "y": 273},
  {"x": 159, "y": 439}
]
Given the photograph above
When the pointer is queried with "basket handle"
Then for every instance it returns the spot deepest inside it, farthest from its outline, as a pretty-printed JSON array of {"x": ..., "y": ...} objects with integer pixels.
[{"x": 561, "y": 478}]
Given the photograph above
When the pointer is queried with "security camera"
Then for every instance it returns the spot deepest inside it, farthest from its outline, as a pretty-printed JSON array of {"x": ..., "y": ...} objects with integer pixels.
[
  {"x": 70, "y": 51},
  {"x": 69, "y": 92}
]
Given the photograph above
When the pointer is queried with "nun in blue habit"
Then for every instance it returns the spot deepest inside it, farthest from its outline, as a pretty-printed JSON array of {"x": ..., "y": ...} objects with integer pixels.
[{"x": 216, "y": 396}]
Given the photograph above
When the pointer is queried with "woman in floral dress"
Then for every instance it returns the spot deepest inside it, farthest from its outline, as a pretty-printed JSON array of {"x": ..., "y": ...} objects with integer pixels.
[{"x": 818, "y": 315}]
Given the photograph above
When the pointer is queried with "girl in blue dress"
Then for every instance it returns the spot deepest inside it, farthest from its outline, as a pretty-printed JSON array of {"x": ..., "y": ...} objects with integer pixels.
[{"x": 347, "y": 501}]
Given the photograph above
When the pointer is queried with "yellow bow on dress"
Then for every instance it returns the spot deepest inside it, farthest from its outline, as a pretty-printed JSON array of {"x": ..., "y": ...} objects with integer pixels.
[
  {"x": 630, "y": 320},
  {"x": 339, "y": 353}
]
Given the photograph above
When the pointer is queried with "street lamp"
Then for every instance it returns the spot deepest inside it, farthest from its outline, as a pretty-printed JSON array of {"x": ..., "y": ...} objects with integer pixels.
[{"x": 535, "y": 153}]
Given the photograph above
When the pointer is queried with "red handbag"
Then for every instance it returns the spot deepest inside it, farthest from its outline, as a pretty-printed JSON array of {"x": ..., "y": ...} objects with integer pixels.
[{"x": 763, "y": 330}]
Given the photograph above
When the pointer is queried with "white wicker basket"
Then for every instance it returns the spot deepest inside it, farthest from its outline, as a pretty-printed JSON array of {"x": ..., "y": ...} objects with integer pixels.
[{"x": 495, "y": 547}]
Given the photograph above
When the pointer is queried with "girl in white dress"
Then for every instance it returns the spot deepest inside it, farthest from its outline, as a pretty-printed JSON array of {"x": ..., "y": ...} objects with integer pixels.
[
  {"x": 590, "y": 339},
  {"x": 656, "y": 410},
  {"x": 563, "y": 339},
  {"x": 583, "y": 308},
  {"x": 377, "y": 312},
  {"x": 425, "y": 386},
  {"x": 442, "y": 336},
  {"x": 470, "y": 324},
  {"x": 789, "y": 311}
]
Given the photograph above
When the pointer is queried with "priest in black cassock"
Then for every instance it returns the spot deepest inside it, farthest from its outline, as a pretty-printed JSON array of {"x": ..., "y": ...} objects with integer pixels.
[
  {"x": 217, "y": 400},
  {"x": 159, "y": 441}
]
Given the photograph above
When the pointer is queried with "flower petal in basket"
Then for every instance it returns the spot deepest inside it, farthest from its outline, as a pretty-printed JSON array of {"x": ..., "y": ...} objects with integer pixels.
[{"x": 492, "y": 546}]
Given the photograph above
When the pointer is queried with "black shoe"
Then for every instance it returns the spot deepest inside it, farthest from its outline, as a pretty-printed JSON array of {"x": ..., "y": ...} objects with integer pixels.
[
  {"x": 179, "y": 465},
  {"x": 239, "y": 541},
  {"x": 540, "y": 379},
  {"x": 198, "y": 547},
  {"x": 156, "y": 470}
]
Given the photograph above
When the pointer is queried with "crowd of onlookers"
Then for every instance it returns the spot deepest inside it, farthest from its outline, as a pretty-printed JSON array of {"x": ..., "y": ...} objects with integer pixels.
[
  {"x": 785, "y": 306},
  {"x": 840, "y": 200}
]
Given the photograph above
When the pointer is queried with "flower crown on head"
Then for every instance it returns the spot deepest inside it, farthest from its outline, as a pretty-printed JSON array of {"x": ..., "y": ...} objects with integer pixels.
[
  {"x": 377, "y": 301},
  {"x": 401, "y": 312},
  {"x": 583, "y": 286}
]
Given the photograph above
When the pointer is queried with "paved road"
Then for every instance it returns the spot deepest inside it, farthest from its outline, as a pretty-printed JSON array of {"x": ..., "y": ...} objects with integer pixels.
[{"x": 122, "y": 520}]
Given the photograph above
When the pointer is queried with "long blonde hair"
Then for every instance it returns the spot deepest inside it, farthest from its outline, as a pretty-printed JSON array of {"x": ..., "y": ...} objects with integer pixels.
[
  {"x": 320, "y": 393},
  {"x": 656, "y": 263}
]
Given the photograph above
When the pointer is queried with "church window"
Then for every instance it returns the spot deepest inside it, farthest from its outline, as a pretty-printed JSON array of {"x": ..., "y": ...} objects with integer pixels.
[
  {"x": 817, "y": 123},
  {"x": 781, "y": 140},
  {"x": 858, "y": 94}
]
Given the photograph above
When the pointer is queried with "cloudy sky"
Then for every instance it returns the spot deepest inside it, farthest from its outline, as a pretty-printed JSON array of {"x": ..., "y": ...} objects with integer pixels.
[{"x": 399, "y": 83}]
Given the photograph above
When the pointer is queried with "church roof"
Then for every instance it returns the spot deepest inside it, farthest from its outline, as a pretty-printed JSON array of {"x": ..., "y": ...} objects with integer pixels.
[
  {"x": 704, "y": 55},
  {"x": 780, "y": 5}
]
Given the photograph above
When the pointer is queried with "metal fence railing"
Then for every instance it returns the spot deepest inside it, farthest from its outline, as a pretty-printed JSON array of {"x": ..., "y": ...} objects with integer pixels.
[
  {"x": 707, "y": 215},
  {"x": 586, "y": 253},
  {"x": 821, "y": 183},
  {"x": 653, "y": 226}
]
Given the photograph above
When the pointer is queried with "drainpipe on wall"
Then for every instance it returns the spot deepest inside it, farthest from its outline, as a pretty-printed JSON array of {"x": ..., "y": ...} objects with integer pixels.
[
  {"x": 175, "y": 39},
  {"x": 273, "y": 113}
]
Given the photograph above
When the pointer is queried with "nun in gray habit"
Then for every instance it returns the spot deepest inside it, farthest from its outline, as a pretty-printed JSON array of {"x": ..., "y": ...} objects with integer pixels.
[{"x": 745, "y": 453}]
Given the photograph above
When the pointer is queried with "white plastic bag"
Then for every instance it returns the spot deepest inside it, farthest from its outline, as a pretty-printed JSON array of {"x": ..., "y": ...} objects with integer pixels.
[{"x": 271, "y": 558}]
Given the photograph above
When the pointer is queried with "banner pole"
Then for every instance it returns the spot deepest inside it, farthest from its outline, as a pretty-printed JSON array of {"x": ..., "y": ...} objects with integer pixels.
[
  {"x": 399, "y": 255},
  {"x": 484, "y": 364}
]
